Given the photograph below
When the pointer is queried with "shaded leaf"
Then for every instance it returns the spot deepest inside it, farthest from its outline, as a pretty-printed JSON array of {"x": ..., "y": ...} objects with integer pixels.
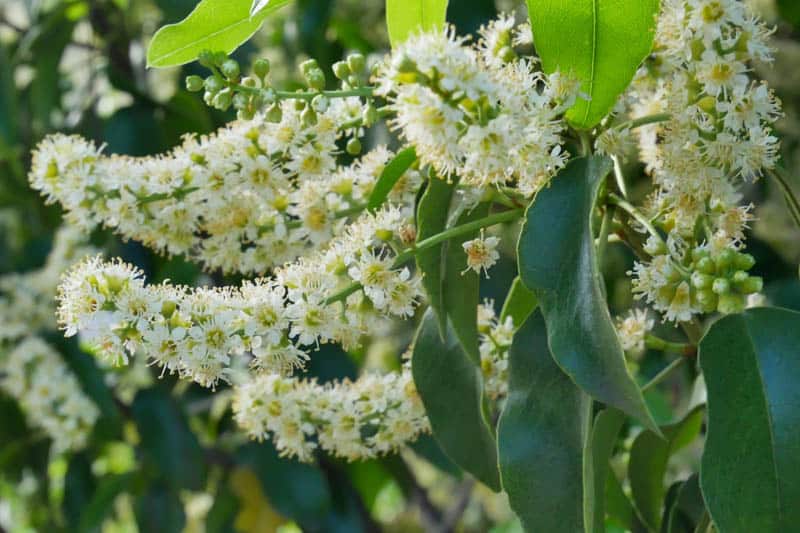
[
  {"x": 216, "y": 25},
  {"x": 540, "y": 436},
  {"x": 688, "y": 510},
  {"x": 159, "y": 510},
  {"x": 391, "y": 173},
  {"x": 451, "y": 390},
  {"x": 557, "y": 260},
  {"x": 432, "y": 219},
  {"x": 648, "y": 464},
  {"x": 405, "y": 17},
  {"x": 599, "y": 448},
  {"x": 520, "y": 303},
  {"x": 750, "y": 473},
  {"x": 101, "y": 503},
  {"x": 582, "y": 38}
]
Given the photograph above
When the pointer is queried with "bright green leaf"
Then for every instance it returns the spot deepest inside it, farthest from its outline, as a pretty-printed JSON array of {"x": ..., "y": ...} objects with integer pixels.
[
  {"x": 619, "y": 508},
  {"x": 540, "y": 436},
  {"x": 405, "y": 17},
  {"x": 648, "y": 464},
  {"x": 520, "y": 303},
  {"x": 451, "y": 390},
  {"x": 557, "y": 260},
  {"x": 461, "y": 287},
  {"x": 217, "y": 25},
  {"x": 599, "y": 447},
  {"x": 432, "y": 219},
  {"x": 600, "y": 42},
  {"x": 750, "y": 473},
  {"x": 392, "y": 172}
]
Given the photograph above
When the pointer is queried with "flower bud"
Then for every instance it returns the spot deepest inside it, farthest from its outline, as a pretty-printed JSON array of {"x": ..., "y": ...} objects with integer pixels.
[
  {"x": 725, "y": 259},
  {"x": 261, "y": 67},
  {"x": 206, "y": 58},
  {"x": 701, "y": 281},
  {"x": 744, "y": 261},
  {"x": 707, "y": 266},
  {"x": 731, "y": 303},
  {"x": 230, "y": 69},
  {"x": 369, "y": 116},
  {"x": 308, "y": 65},
  {"x": 308, "y": 116},
  {"x": 721, "y": 286},
  {"x": 320, "y": 103},
  {"x": 214, "y": 84},
  {"x": 356, "y": 62},
  {"x": 752, "y": 285},
  {"x": 194, "y": 83},
  {"x": 341, "y": 70},
  {"x": 316, "y": 79},
  {"x": 249, "y": 81},
  {"x": 353, "y": 146},
  {"x": 223, "y": 99}
]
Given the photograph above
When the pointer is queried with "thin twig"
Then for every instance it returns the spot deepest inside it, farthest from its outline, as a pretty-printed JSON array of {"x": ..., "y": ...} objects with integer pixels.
[{"x": 664, "y": 374}]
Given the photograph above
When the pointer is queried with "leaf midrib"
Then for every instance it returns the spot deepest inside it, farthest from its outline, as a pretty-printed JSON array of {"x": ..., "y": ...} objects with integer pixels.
[
  {"x": 194, "y": 43},
  {"x": 594, "y": 61}
]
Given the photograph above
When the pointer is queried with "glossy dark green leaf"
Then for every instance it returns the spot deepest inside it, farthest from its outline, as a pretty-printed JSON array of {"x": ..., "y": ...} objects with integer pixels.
[
  {"x": 167, "y": 442},
  {"x": 451, "y": 389},
  {"x": 159, "y": 510},
  {"x": 217, "y": 25},
  {"x": 648, "y": 464},
  {"x": 520, "y": 303},
  {"x": 540, "y": 436},
  {"x": 391, "y": 173},
  {"x": 599, "y": 447},
  {"x": 405, "y": 17},
  {"x": 557, "y": 260},
  {"x": 432, "y": 219},
  {"x": 461, "y": 287},
  {"x": 600, "y": 42},
  {"x": 750, "y": 473}
]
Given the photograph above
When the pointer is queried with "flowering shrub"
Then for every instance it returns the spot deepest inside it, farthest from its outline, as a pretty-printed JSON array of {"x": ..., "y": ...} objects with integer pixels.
[{"x": 336, "y": 240}]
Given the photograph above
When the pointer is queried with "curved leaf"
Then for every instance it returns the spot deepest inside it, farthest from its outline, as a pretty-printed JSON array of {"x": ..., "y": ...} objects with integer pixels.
[
  {"x": 601, "y": 42},
  {"x": 392, "y": 172},
  {"x": 540, "y": 436},
  {"x": 451, "y": 390},
  {"x": 520, "y": 303},
  {"x": 599, "y": 447},
  {"x": 432, "y": 219},
  {"x": 217, "y": 25},
  {"x": 750, "y": 472},
  {"x": 648, "y": 464},
  {"x": 557, "y": 260},
  {"x": 404, "y": 17}
]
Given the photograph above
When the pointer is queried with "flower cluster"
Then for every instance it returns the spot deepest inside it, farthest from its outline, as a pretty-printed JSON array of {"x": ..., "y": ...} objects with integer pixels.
[
  {"x": 52, "y": 399},
  {"x": 495, "y": 341},
  {"x": 253, "y": 195},
  {"x": 354, "y": 420},
  {"x": 632, "y": 331},
  {"x": 719, "y": 133},
  {"x": 195, "y": 332},
  {"x": 477, "y": 110}
]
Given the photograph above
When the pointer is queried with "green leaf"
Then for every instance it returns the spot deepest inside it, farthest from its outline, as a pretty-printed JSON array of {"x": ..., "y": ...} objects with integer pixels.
[
  {"x": 557, "y": 260},
  {"x": 750, "y": 472},
  {"x": 599, "y": 42},
  {"x": 405, "y": 17},
  {"x": 619, "y": 508},
  {"x": 392, "y": 172},
  {"x": 540, "y": 436},
  {"x": 159, "y": 510},
  {"x": 451, "y": 390},
  {"x": 8, "y": 101},
  {"x": 789, "y": 11},
  {"x": 166, "y": 440},
  {"x": 648, "y": 464},
  {"x": 688, "y": 510},
  {"x": 461, "y": 288},
  {"x": 520, "y": 303},
  {"x": 79, "y": 484},
  {"x": 102, "y": 501},
  {"x": 217, "y": 25},
  {"x": 432, "y": 219},
  {"x": 597, "y": 453}
]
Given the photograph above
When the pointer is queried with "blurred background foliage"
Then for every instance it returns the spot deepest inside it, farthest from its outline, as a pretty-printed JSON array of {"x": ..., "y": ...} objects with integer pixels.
[{"x": 165, "y": 455}]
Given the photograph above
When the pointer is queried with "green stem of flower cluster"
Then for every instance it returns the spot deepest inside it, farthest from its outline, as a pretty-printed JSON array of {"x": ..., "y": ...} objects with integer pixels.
[
  {"x": 430, "y": 242},
  {"x": 362, "y": 92},
  {"x": 643, "y": 121},
  {"x": 664, "y": 374},
  {"x": 657, "y": 343},
  {"x": 636, "y": 214}
]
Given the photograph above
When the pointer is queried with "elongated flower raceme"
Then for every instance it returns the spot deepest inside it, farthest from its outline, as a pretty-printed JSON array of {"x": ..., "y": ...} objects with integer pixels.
[
  {"x": 719, "y": 135},
  {"x": 196, "y": 332},
  {"x": 371, "y": 416},
  {"x": 477, "y": 111},
  {"x": 252, "y": 196},
  {"x": 34, "y": 374}
]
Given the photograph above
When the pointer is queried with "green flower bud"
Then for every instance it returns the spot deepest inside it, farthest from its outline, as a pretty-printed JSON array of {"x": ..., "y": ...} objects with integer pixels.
[
  {"x": 223, "y": 99},
  {"x": 752, "y": 285},
  {"x": 698, "y": 254},
  {"x": 246, "y": 113},
  {"x": 240, "y": 101},
  {"x": 506, "y": 54},
  {"x": 706, "y": 265},
  {"x": 384, "y": 234},
  {"x": 725, "y": 259},
  {"x": 701, "y": 281},
  {"x": 194, "y": 83},
  {"x": 249, "y": 81},
  {"x": 356, "y": 62},
  {"x": 167, "y": 308},
  {"x": 707, "y": 300},
  {"x": 320, "y": 103},
  {"x": 731, "y": 303},
  {"x": 220, "y": 58},
  {"x": 341, "y": 70},
  {"x": 274, "y": 113},
  {"x": 369, "y": 116},
  {"x": 214, "y": 84},
  {"x": 230, "y": 69},
  {"x": 206, "y": 58},
  {"x": 353, "y": 80},
  {"x": 308, "y": 116},
  {"x": 708, "y": 104},
  {"x": 261, "y": 67},
  {"x": 316, "y": 79},
  {"x": 744, "y": 261},
  {"x": 721, "y": 286},
  {"x": 308, "y": 65},
  {"x": 353, "y": 146},
  {"x": 739, "y": 277}
]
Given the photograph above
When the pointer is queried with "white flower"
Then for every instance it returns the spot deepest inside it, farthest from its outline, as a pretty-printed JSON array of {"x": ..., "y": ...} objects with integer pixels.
[
  {"x": 481, "y": 253},
  {"x": 632, "y": 331}
]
